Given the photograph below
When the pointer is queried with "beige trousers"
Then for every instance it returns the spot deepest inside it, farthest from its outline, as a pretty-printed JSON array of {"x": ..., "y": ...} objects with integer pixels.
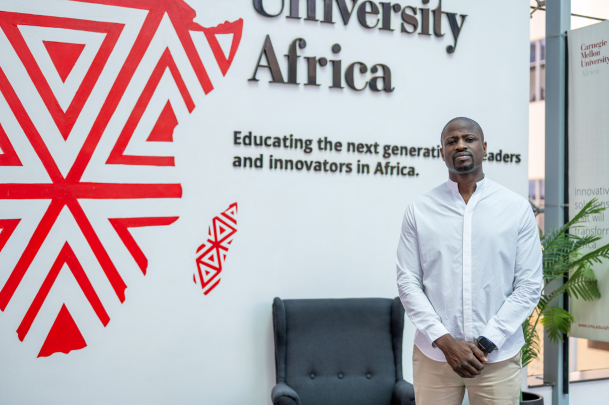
[{"x": 436, "y": 383}]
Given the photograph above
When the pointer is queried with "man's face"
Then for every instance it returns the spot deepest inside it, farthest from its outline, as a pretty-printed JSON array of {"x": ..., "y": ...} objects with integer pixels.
[{"x": 463, "y": 147}]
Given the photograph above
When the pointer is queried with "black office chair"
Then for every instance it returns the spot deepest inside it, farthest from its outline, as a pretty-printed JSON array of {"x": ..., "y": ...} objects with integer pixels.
[{"x": 339, "y": 351}]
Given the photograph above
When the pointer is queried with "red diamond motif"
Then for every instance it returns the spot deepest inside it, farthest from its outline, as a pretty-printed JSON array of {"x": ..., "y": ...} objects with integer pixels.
[{"x": 212, "y": 254}]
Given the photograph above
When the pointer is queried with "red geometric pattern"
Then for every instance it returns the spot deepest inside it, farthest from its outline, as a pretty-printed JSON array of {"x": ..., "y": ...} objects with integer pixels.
[
  {"x": 120, "y": 225},
  {"x": 64, "y": 56},
  {"x": 64, "y": 335},
  {"x": 227, "y": 28},
  {"x": 65, "y": 120},
  {"x": 8, "y": 157},
  {"x": 66, "y": 256},
  {"x": 35, "y": 85},
  {"x": 7, "y": 226},
  {"x": 163, "y": 131},
  {"x": 117, "y": 155},
  {"x": 212, "y": 254}
]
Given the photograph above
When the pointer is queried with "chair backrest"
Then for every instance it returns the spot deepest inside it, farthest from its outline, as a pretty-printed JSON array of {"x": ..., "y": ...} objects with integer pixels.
[{"x": 339, "y": 351}]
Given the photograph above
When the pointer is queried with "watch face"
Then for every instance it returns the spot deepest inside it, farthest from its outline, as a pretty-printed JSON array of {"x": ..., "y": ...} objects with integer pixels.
[{"x": 486, "y": 344}]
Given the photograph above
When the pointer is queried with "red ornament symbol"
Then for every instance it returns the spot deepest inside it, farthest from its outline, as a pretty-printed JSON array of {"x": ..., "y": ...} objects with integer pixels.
[
  {"x": 212, "y": 254},
  {"x": 88, "y": 90}
]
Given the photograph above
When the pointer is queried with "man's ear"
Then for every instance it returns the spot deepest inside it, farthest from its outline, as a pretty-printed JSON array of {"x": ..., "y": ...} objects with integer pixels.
[
  {"x": 484, "y": 148},
  {"x": 442, "y": 153}
]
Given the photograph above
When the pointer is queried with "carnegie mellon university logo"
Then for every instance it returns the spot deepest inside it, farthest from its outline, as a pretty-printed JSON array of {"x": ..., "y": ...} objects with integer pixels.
[{"x": 90, "y": 94}]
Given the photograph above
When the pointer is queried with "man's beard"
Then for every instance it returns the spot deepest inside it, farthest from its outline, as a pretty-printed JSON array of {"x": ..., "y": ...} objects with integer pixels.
[{"x": 465, "y": 169}]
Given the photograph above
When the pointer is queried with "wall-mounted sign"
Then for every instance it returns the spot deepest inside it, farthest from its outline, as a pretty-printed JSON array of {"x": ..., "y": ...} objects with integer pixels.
[
  {"x": 131, "y": 131},
  {"x": 588, "y": 108}
]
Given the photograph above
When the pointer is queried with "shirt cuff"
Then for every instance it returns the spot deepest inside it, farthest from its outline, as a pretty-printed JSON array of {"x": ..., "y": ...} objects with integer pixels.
[
  {"x": 434, "y": 332},
  {"x": 494, "y": 335}
]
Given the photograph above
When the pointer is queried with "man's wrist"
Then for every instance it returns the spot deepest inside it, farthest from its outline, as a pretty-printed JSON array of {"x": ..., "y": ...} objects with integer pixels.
[
  {"x": 486, "y": 344},
  {"x": 443, "y": 341}
]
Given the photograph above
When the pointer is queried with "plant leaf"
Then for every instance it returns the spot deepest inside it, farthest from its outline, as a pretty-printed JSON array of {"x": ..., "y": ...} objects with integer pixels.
[
  {"x": 583, "y": 284},
  {"x": 561, "y": 258},
  {"x": 531, "y": 348},
  {"x": 556, "y": 322}
]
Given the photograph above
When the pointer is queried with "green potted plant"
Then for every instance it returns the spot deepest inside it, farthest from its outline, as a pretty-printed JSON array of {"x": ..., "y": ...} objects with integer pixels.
[{"x": 561, "y": 258}]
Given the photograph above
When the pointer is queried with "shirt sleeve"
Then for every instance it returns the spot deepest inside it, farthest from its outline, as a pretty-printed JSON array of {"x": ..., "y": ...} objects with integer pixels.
[
  {"x": 527, "y": 283},
  {"x": 409, "y": 278}
]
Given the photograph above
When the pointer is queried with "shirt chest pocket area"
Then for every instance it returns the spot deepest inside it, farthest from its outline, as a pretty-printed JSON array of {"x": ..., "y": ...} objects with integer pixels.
[
  {"x": 494, "y": 242},
  {"x": 440, "y": 243}
]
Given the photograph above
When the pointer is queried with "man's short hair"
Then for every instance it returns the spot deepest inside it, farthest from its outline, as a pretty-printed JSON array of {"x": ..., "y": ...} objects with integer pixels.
[{"x": 476, "y": 124}]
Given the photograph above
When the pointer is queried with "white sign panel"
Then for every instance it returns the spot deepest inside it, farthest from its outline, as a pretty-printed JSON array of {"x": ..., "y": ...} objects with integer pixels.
[
  {"x": 588, "y": 161},
  {"x": 167, "y": 169}
]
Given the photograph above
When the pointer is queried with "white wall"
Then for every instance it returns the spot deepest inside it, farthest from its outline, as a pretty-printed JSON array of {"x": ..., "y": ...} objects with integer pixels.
[{"x": 591, "y": 393}]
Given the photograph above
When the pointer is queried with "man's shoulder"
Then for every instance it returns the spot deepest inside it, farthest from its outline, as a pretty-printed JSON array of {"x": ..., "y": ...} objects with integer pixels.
[
  {"x": 506, "y": 195},
  {"x": 440, "y": 191},
  {"x": 431, "y": 197}
]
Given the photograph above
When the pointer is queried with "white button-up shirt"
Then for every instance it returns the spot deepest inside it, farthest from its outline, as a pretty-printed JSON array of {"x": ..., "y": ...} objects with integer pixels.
[{"x": 469, "y": 269}]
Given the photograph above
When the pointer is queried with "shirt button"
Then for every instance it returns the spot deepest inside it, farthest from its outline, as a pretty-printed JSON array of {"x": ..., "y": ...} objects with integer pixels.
[
  {"x": 368, "y": 376},
  {"x": 340, "y": 376},
  {"x": 312, "y": 376}
]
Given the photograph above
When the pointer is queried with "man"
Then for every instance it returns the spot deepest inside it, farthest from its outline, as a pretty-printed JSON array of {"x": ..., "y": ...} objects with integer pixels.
[{"x": 469, "y": 267}]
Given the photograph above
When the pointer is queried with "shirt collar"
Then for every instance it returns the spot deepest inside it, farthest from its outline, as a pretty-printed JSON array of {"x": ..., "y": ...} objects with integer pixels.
[{"x": 453, "y": 186}]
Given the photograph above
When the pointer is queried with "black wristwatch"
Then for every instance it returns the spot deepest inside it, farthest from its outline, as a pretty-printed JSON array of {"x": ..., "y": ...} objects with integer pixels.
[{"x": 486, "y": 344}]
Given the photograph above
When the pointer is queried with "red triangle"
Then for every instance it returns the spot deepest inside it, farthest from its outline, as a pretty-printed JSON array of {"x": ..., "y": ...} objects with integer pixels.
[
  {"x": 117, "y": 155},
  {"x": 65, "y": 120},
  {"x": 231, "y": 212},
  {"x": 8, "y": 157},
  {"x": 163, "y": 131},
  {"x": 64, "y": 335},
  {"x": 234, "y": 28},
  {"x": 66, "y": 256},
  {"x": 7, "y": 226},
  {"x": 211, "y": 257},
  {"x": 64, "y": 56}
]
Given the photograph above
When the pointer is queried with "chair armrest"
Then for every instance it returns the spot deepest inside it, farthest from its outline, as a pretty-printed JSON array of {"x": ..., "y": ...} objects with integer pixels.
[
  {"x": 403, "y": 394},
  {"x": 282, "y": 394}
]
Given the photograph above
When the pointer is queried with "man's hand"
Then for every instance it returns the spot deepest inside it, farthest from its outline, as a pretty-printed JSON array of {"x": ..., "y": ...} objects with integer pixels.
[
  {"x": 465, "y": 358},
  {"x": 485, "y": 352}
]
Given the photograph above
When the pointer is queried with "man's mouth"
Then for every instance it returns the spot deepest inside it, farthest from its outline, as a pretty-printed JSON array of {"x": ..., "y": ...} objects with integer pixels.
[{"x": 463, "y": 156}]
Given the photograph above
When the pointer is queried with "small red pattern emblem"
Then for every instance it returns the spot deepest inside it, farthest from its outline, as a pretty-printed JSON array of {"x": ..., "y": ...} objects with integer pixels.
[
  {"x": 212, "y": 254},
  {"x": 89, "y": 91}
]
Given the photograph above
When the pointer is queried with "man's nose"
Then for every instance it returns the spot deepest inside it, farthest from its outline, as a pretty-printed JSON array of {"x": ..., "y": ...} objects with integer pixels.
[{"x": 461, "y": 145}]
